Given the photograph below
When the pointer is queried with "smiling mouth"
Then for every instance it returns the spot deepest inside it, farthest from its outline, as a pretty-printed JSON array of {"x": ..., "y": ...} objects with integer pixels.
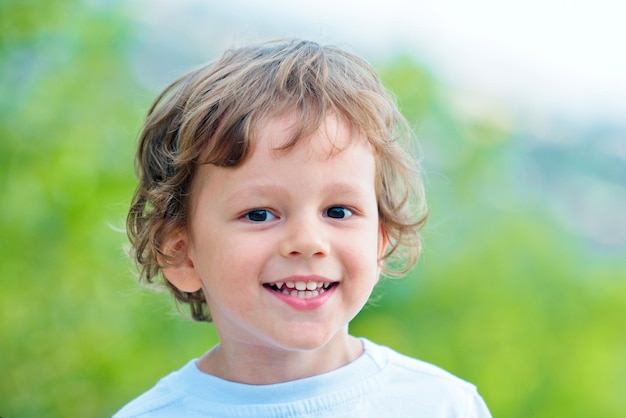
[{"x": 301, "y": 290}]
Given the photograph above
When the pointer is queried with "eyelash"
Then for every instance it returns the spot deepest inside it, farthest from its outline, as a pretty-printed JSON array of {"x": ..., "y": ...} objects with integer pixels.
[
  {"x": 253, "y": 212},
  {"x": 264, "y": 213},
  {"x": 343, "y": 208}
]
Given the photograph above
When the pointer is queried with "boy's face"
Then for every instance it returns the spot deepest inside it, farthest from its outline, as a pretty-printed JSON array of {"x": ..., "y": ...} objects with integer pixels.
[{"x": 286, "y": 246}]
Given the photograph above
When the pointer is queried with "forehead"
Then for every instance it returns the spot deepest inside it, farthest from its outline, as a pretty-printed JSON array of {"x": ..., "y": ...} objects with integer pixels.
[
  {"x": 330, "y": 161},
  {"x": 280, "y": 134}
]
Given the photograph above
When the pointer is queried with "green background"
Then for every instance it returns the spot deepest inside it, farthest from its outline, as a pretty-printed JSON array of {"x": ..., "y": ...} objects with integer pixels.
[{"x": 508, "y": 294}]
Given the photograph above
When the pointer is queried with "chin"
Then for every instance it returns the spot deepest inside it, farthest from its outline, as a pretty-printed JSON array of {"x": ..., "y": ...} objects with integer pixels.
[{"x": 307, "y": 340}]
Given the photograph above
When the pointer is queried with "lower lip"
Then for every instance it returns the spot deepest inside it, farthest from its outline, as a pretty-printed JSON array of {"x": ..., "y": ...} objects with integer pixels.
[{"x": 305, "y": 304}]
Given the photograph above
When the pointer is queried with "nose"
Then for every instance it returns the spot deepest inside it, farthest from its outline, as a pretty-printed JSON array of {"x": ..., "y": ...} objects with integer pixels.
[{"x": 304, "y": 237}]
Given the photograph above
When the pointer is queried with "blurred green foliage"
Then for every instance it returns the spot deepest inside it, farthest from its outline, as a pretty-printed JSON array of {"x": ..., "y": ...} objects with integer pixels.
[{"x": 503, "y": 296}]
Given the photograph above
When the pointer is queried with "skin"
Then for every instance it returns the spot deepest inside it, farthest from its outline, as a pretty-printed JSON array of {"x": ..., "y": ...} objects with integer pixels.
[{"x": 308, "y": 213}]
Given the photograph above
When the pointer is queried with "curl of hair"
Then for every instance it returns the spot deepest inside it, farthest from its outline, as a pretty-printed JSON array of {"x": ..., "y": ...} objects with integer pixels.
[{"x": 209, "y": 116}]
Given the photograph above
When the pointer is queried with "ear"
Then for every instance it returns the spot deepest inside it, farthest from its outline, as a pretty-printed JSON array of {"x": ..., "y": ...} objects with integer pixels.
[
  {"x": 383, "y": 242},
  {"x": 181, "y": 272}
]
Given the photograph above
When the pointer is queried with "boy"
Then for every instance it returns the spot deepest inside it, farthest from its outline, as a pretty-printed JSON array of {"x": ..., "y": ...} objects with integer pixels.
[{"x": 272, "y": 191}]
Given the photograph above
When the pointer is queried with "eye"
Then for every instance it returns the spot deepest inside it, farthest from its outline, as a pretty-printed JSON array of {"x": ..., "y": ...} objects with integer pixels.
[
  {"x": 259, "y": 215},
  {"x": 338, "y": 212}
]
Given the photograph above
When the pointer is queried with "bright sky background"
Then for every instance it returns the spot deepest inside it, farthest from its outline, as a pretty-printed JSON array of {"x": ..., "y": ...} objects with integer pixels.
[
  {"x": 556, "y": 55},
  {"x": 560, "y": 63}
]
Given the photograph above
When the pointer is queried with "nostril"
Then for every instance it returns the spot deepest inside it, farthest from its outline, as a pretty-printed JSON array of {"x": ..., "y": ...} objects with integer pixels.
[
  {"x": 312, "y": 254},
  {"x": 306, "y": 241}
]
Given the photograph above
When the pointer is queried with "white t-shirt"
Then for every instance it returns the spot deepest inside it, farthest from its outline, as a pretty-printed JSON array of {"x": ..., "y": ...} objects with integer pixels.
[{"x": 380, "y": 383}]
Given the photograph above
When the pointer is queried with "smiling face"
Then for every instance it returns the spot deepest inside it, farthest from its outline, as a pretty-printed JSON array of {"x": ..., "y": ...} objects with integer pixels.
[{"x": 286, "y": 246}]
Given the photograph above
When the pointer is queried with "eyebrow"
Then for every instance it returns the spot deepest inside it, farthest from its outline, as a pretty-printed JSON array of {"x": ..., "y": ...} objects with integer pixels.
[
  {"x": 261, "y": 190},
  {"x": 342, "y": 187},
  {"x": 255, "y": 191}
]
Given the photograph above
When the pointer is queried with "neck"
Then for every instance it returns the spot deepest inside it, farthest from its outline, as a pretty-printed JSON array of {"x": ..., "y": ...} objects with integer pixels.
[{"x": 260, "y": 365}]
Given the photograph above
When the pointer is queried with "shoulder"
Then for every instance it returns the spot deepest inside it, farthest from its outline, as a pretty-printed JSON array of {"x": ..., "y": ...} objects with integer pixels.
[
  {"x": 163, "y": 399},
  {"x": 426, "y": 386},
  {"x": 408, "y": 368},
  {"x": 403, "y": 365}
]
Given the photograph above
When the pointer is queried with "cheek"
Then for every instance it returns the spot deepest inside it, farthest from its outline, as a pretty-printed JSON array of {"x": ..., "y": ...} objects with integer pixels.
[
  {"x": 226, "y": 262},
  {"x": 361, "y": 256},
  {"x": 229, "y": 277}
]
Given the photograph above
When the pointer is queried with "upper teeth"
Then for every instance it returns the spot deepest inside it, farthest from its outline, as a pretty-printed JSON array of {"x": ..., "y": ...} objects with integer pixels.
[
  {"x": 301, "y": 289},
  {"x": 300, "y": 285}
]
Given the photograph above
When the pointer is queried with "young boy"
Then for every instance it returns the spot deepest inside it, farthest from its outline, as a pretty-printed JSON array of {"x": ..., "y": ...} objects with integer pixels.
[{"x": 272, "y": 192}]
